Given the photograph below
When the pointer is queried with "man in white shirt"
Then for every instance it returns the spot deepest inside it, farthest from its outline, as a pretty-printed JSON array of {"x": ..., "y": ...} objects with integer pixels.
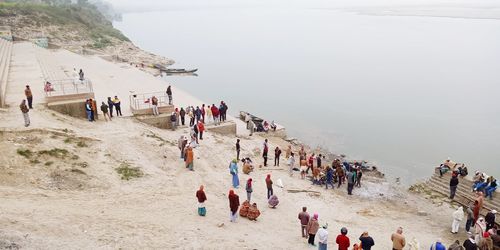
[{"x": 322, "y": 237}]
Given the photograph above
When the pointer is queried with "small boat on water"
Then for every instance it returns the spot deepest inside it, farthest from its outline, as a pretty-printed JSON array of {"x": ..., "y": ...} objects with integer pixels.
[{"x": 174, "y": 71}]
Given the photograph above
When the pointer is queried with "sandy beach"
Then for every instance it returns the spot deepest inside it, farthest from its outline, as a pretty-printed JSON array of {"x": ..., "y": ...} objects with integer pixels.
[{"x": 78, "y": 201}]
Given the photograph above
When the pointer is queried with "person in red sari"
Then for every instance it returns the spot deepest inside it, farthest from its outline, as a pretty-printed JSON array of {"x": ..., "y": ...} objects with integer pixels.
[{"x": 234, "y": 203}]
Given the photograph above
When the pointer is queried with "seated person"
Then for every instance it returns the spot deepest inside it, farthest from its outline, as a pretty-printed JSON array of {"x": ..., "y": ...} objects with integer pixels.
[
  {"x": 490, "y": 189},
  {"x": 260, "y": 128},
  {"x": 273, "y": 126},
  {"x": 247, "y": 167},
  {"x": 266, "y": 126},
  {"x": 253, "y": 212},
  {"x": 463, "y": 171},
  {"x": 273, "y": 201},
  {"x": 244, "y": 208}
]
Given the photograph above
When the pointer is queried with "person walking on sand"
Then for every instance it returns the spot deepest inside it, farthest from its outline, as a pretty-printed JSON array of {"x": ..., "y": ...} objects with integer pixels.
[
  {"x": 182, "y": 114},
  {"x": 277, "y": 153},
  {"x": 453, "y": 185},
  {"x": 342, "y": 239},
  {"x": 304, "y": 220},
  {"x": 25, "y": 110},
  {"x": 329, "y": 177},
  {"x": 200, "y": 195},
  {"x": 189, "y": 158},
  {"x": 458, "y": 216},
  {"x": 323, "y": 237},
  {"x": 398, "y": 240},
  {"x": 234, "y": 203},
  {"x": 238, "y": 148},
  {"x": 233, "y": 169},
  {"x": 201, "y": 128},
  {"x": 269, "y": 185},
  {"x": 181, "y": 144},
  {"x": 470, "y": 217},
  {"x": 29, "y": 96},
  {"x": 117, "y": 104},
  {"x": 110, "y": 105},
  {"x": 291, "y": 163},
  {"x": 366, "y": 241},
  {"x": 312, "y": 229},
  {"x": 173, "y": 120},
  {"x": 104, "y": 109},
  {"x": 249, "y": 189},
  {"x": 264, "y": 152},
  {"x": 154, "y": 104},
  {"x": 169, "y": 94},
  {"x": 351, "y": 179}
]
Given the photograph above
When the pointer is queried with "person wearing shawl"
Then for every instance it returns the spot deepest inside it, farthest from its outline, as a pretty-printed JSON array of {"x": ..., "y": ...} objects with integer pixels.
[
  {"x": 200, "y": 195},
  {"x": 486, "y": 242},
  {"x": 470, "y": 243},
  {"x": 312, "y": 229},
  {"x": 273, "y": 201},
  {"x": 342, "y": 239},
  {"x": 181, "y": 144},
  {"x": 189, "y": 158},
  {"x": 438, "y": 245},
  {"x": 490, "y": 219},
  {"x": 233, "y": 169},
  {"x": 249, "y": 189},
  {"x": 323, "y": 237},
  {"x": 479, "y": 230},
  {"x": 476, "y": 211},
  {"x": 234, "y": 203},
  {"x": 253, "y": 212},
  {"x": 458, "y": 216}
]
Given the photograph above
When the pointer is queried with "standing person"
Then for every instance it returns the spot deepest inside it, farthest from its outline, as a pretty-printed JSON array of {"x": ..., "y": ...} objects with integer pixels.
[
  {"x": 215, "y": 114},
  {"x": 480, "y": 229},
  {"x": 181, "y": 144},
  {"x": 318, "y": 161},
  {"x": 291, "y": 163},
  {"x": 329, "y": 177},
  {"x": 117, "y": 104},
  {"x": 93, "y": 104},
  {"x": 200, "y": 194},
  {"x": 323, "y": 238},
  {"x": 169, "y": 94},
  {"x": 304, "y": 220},
  {"x": 154, "y": 103},
  {"x": 177, "y": 117},
  {"x": 342, "y": 239},
  {"x": 470, "y": 243},
  {"x": 203, "y": 112},
  {"x": 486, "y": 243},
  {"x": 29, "y": 96},
  {"x": 189, "y": 158},
  {"x": 88, "y": 109},
  {"x": 173, "y": 120},
  {"x": 351, "y": 179},
  {"x": 81, "y": 75},
  {"x": 398, "y": 240},
  {"x": 476, "y": 211},
  {"x": 438, "y": 245},
  {"x": 233, "y": 169},
  {"x": 25, "y": 110},
  {"x": 277, "y": 153},
  {"x": 208, "y": 114},
  {"x": 359, "y": 173},
  {"x": 234, "y": 203},
  {"x": 453, "y": 185},
  {"x": 182, "y": 114},
  {"x": 490, "y": 219},
  {"x": 340, "y": 173},
  {"x": 104, "y": 109},
  {"x": 312, "y": 229},
  {"x": 75, "y": 76},
  {"x": 366, "y": 241},
  {"x": 238, "y": 148},
  {"x": 269, "y": 185},
  {"x": 458, "y": 216},
  {"x": 288, "y": 151},
  {"x": 197, "y": 114},
  {"x": 249, "y": 189},
  {"x": 110, "y": 105},
  {"x": 191, "y": 117},
  {"x": 251, "y": 127},
  {"x": 264, "y": 152},
  {"x": 201, "y": 129},
  {"x": 470, "y": 218}
]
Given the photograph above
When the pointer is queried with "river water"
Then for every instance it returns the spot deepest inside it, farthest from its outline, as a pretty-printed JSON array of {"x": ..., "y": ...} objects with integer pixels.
[{"x": 402, "y": 92}]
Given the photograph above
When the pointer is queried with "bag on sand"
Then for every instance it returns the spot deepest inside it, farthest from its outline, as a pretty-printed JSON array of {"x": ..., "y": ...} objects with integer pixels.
[
  {"x": 202, "y": 211},
  {"x": 279, "y": 183}
]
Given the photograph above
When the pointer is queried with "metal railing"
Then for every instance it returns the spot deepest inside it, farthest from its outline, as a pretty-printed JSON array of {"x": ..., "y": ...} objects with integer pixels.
[
  {"x": 67, "y": 87},
  {"x": 143, "y": 100}
]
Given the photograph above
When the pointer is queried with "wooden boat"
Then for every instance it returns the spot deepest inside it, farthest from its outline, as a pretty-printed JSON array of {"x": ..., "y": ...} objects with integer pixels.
[{"x": 173, "y": 71}]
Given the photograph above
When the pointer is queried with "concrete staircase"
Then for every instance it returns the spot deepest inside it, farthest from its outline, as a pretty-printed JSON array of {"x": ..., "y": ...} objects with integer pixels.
[
  {"x": 50, "y": 69},
  {"x": 464, "y": 193},
  {"x": 5, "y": 58}
]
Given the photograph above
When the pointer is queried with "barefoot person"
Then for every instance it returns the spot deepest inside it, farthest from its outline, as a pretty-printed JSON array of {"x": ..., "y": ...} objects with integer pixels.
[{"x": 234, "y": 203}]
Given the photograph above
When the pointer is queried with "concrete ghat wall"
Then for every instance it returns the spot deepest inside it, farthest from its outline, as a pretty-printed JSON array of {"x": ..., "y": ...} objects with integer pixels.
[
  {"x": 162, "y": 121},
  {"x": 74, "y": 108},
  {"x": 5, "y": 56},
  {"x": 226, "y": 128},
  {"x": 149, "y": 111}
]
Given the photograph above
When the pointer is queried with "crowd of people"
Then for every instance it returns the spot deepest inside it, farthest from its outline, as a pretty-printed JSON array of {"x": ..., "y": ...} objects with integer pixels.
[{"x": 106, "y": 108}]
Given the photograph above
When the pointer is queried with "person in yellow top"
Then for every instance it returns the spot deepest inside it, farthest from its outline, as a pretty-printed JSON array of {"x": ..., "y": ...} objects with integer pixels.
[{"x": 117, "y": 104}]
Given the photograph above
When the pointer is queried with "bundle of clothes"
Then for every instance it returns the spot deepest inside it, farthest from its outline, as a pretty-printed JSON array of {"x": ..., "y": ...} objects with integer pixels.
[{"x": 249, "y": 211}]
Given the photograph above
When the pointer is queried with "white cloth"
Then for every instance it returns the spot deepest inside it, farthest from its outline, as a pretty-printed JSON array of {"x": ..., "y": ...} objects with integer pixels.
[
  {"x": 455, "y": 225},
  {"x": 458, "y": 216},
  {"x": 322, "y": 235}
]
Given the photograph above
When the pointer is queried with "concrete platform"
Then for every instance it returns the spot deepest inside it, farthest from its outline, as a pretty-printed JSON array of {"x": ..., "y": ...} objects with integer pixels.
[
  {"x": 226, "y": 128},
  {"x": 74, "y": 108}
]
